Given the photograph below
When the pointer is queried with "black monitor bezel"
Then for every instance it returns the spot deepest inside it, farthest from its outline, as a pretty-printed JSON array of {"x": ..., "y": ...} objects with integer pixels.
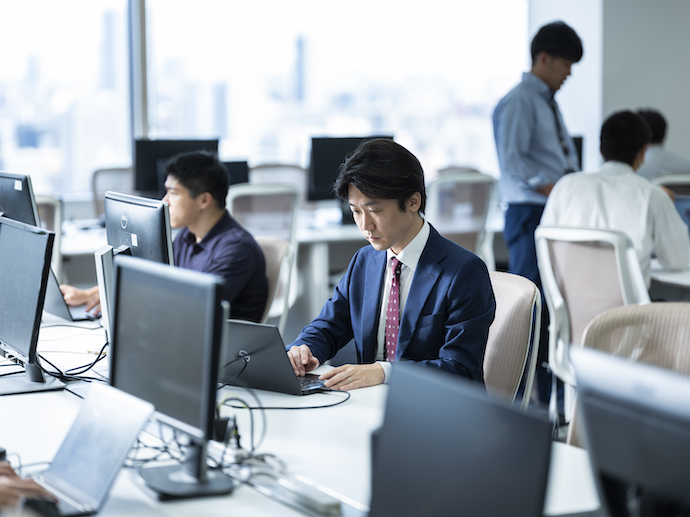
[
  {"x": 147, "y": 152},
  {"x": 321, "y": 193},
  {"x": 202, "y": 430},
  {"x": 161, "y": 216}
]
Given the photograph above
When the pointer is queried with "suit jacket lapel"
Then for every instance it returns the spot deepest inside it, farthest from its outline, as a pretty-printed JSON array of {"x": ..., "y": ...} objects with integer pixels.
[{"x": 425, "y": 277}]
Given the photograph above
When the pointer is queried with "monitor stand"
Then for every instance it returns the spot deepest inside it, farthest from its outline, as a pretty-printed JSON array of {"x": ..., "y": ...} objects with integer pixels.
[
  {"x": 29, "y": 382},
  {"x": 189, "y": 479}
]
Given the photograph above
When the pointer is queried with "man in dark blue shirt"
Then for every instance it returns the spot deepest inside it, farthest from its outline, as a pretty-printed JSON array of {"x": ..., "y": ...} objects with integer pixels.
[{"x": 210, "y": 240}]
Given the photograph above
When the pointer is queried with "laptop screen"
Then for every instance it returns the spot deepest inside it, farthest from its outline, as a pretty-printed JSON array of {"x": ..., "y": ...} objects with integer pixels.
[{"x": 683, "y": 206}]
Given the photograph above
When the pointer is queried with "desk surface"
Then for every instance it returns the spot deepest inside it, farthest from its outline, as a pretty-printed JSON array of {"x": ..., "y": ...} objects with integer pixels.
[{"x": 329, "y": 445}]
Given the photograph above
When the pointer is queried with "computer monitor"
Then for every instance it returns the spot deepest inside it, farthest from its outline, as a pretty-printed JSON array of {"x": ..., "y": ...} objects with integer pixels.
[
  {"x": 166, "y": 337},
  {"x": 140, "y": 223},
  {"x": 327, "y": 154},
  {"x": 445, "y": 448},
  {"x": 636, "y": 420},
  {"x": 25, "y": 253},
  {"x": 238, "y": 172},
  {"x": 17, "y": 199},
  {"x": 150, "y": 154}
]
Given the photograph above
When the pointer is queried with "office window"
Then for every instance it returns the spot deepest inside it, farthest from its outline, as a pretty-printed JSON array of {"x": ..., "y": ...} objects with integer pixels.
[
  {"x": 265, "y": 76},
  {"x": 64, "y": 101}
]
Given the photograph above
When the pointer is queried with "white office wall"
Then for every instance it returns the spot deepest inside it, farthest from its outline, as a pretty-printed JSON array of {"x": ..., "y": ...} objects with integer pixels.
[
  {"x": 646, "y": 62},
  {"x": 581, "y": 95}
]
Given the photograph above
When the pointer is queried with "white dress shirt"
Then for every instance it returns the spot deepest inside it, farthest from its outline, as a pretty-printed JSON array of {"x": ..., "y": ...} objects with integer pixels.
[
  {"x": 409, "y": 257},
  {"x": 616, "y": 198},
  {"x": 658, "y": 161}
]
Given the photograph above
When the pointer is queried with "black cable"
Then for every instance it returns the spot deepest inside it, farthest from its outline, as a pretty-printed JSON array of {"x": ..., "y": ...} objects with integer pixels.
[{"x": 291, "y": 408}]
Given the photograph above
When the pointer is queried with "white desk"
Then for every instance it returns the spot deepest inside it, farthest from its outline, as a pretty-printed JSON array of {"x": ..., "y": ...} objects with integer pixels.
[{"x": 330, "y": 445}]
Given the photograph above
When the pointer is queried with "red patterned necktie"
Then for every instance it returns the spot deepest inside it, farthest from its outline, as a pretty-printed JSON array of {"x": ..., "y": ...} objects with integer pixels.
[{"x": 393, "y": 312}]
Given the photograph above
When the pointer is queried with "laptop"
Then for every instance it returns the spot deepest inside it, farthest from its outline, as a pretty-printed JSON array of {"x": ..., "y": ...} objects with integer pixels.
[
  {"x": 445, "y": 448},
  {"x": 55, "y": 303},
  {"x": 91, "y": 455},
  {"x": 253, "y": 356}
]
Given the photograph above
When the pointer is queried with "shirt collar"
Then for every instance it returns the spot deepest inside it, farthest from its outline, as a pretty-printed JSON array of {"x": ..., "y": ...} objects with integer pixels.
[
  {"x": 411, "y": 253},
  {"x": 538, "y": 85},
  {"x": 615, "y": 167},
  {"x": 219, "y": 228}
]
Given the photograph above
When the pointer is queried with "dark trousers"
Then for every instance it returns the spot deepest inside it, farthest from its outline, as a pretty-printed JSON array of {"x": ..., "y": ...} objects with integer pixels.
[{"x": 518, "y": 232}]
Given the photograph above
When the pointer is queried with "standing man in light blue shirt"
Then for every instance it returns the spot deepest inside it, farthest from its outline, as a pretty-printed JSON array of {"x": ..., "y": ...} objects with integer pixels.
[{"x": 534, "y": 152}]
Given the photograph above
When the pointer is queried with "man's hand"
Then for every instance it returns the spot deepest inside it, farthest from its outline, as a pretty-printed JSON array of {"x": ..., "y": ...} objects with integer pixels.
[
  {"x": 12, "y": 487},
  {"x": 544, "y": 190},
  {"x": 302, "y": 359},
  {"x": 75, "y": 297},
  {"x": 351, "y": 376}
]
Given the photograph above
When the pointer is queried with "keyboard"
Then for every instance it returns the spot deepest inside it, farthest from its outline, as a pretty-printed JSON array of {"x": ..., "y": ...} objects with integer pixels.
[{"x": 310, "y": 383}]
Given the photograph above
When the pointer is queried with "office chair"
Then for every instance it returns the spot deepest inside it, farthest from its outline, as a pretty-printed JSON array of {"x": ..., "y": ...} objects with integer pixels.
[
  {"x": 116, "y": 179},
  {"x": 279, "y": 257},
  {"x": 280, "y": 174},
  {"x": 512, "y": 335},
  {"x": 678, "y": 183},
  {"x": 584, "y": 271},
  {"x": 656, "y": 333},
  {"x": 50, "y": 218},
  {"x": 459, "y": 205},
  {"x": 269, "y": 210}
]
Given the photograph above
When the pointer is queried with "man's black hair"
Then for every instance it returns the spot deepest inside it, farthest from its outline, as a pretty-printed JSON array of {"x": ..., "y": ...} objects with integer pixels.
[
  {"x": 382, "y": 169},
  {"x": 656, "y": 122},
  {"x": 623, "y": 135},
  {"x": 199, "y": 172},
  {"x": 559, "y": 40}
]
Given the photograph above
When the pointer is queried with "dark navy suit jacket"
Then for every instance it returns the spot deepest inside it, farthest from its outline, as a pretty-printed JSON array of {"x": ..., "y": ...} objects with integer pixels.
[{"x": 446, "y": 319}]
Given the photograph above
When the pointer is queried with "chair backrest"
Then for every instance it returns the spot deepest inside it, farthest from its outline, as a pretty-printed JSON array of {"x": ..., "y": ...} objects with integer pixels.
[
  {"x": 279, "y": 257},
  {"x": 655, "y": 333},
  {"x": 513, "y": 333},
  {"x": 116, "y": 179},
  {"x": 584, "y": 271},
  {"x": 458, "y": 205},
  {"x": 266, "y": 209},
  {"x": 280, "y": 174},
  {"x": 678, "y": 183},
  {"x": 50, "y": 218}
]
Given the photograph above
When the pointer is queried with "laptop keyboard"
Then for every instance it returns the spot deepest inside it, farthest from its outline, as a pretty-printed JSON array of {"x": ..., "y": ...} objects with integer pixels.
[
  {"x": 310, "y": 383},
  {"x": 79, "y": 314}
]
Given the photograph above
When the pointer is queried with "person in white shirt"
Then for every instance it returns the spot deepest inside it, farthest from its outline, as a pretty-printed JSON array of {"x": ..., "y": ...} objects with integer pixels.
[
  {"x": 658, "y": 160},
  {"x": 615, "y": 197}
]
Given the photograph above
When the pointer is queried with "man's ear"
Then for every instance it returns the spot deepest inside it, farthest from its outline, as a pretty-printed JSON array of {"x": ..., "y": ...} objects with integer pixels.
[
  {"x": 205, "y": 200},
  {"x": 414, "y": 202}
]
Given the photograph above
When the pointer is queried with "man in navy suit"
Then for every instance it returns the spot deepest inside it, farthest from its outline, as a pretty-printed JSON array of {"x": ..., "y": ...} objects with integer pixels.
[{"x": 443, "y": 291}]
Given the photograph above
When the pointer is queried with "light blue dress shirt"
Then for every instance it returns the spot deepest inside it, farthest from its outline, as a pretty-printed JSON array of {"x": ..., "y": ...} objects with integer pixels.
[{"x": 530, "y": 152}]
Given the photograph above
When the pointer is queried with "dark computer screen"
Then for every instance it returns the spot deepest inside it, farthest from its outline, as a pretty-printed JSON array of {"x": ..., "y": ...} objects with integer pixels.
[
  {"x": 149, "y": 155},
  {"x": 17, "y": 198},
  {"x": 636, "y": 419},
  {"x": 445, "y": 448},
  {"x": 166, "y": 337},
  {"x": 327, "y": 154},
  {"x": 25, "y": 253},
  {"x": 140, "y": 223},
  {"x": 238, "y": 172}
]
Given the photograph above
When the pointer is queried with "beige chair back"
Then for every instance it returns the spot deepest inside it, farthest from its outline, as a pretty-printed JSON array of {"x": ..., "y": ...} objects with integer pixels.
[
  {"x": 656, "y": 333},
  {"x": 279, "y": 258},
  {"x": 117, "y": 179},
  {"x": 514, "y": 331}
]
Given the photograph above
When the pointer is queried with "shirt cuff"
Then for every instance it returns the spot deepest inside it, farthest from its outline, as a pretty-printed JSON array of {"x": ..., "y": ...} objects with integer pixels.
[
  {"x": 386, "y": 365},
  {"x": 536, "y": 182}
]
